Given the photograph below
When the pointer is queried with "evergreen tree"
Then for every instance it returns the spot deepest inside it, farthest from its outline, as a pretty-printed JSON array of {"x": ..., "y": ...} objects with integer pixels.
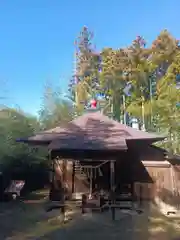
[
  {"x": 152, "y": 72},
  {"x": 87, "y": 64}
]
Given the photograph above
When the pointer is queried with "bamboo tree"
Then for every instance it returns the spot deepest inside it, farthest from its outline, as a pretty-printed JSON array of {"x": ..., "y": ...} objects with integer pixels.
[
  {"x": 113, "y": 79},
  {"x": 166, "y": 105}
]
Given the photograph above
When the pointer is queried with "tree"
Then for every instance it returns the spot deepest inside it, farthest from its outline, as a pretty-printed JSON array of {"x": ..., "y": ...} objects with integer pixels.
[
  {"x": 146, "y": 69},
  {"x": 166, "y": 105},
  {"x": 55, "y": 109},
  {"x": 15, "y": 124},
  {"x": 164, "y": 49},
  {"x": 132, "y": 67},
  {"x": 151, "y": 68},
  {"x": 87, "y": 61},
  {"x": 113, "y": 78}
]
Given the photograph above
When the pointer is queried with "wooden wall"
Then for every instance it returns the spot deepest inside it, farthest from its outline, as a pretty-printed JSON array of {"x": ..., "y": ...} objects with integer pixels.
[
  {"x": 151, "y": 178},
  {"x": 158, "y": 169},
  {"x": 73, "y": 183},
  {"x": 166, "y": 182},
  {"x": 161, "y": 179}
]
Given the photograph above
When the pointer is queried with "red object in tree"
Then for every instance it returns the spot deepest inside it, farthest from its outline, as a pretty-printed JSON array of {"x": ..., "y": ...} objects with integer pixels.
[{"x": 93, "y": 103}]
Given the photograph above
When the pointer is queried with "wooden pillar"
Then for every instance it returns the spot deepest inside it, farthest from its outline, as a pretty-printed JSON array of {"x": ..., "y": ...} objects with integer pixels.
[
  {"x": 112, "y": 188},
  {"x": 132, "y": 194},
  {"x": 91, "y": 183},
  {"x": 140, "y": 196},
  {"x": 52, "y": 177},
  {"x": 83, "y": 203},
  {"x": 64, "y": 174},
  {"x": 73, "y": 177}
]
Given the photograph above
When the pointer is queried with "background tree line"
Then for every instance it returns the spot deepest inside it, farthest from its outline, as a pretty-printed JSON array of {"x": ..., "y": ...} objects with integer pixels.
[{"x": 138, "y": 81}]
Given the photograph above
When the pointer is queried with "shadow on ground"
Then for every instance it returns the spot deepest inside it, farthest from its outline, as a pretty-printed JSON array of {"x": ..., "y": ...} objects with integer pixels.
[
  {"x": 23, "y": 221},
  {"x": 19, "y": 216},
  {"x": 150, "y": 225}
]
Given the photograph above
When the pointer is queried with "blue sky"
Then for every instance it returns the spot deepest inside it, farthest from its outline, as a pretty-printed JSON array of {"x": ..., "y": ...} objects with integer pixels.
[{"x": 37, "y": 38}]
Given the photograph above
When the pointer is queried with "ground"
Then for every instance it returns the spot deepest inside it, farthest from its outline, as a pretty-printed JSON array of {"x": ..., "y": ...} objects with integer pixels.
[{"x": 29, "y": 220}]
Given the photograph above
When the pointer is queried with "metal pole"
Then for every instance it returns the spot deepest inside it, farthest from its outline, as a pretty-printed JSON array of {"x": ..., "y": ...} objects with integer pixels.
[
  {"x": 111, "y": 107},
  {"x": 143, "y": 118},
  {"x": 75, "y": 76},
  {"x": 124, "y": 109},
  {"x": 150, "y": 84}
]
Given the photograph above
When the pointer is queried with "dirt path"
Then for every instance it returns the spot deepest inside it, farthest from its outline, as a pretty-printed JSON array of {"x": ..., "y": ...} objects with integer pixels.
[
  {"x": 31, "y": 221},
  {"x": 150, "y": 226},
  {"x": 19, "y": 217}
]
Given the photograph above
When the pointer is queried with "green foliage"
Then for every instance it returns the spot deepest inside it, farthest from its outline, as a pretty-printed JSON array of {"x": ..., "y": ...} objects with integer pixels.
[
  {"x": 85, "y": 72},
  {"x": 55, "y": 109},
  {"x": 15, "y": 124},
  {"x": 107, "y": 72},
  {"x": 152, "y": 72}
]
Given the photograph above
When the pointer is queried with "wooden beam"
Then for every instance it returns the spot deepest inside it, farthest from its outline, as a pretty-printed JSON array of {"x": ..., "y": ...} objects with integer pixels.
[{"x": 156, "y": 163}]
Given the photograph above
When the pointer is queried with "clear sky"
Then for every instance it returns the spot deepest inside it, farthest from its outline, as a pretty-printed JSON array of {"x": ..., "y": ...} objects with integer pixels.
[{"x": 37, "y": 38}]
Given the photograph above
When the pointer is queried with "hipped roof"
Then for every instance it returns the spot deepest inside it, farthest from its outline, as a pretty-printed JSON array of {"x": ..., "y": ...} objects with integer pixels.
[{"x": 93, "y": 131}]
